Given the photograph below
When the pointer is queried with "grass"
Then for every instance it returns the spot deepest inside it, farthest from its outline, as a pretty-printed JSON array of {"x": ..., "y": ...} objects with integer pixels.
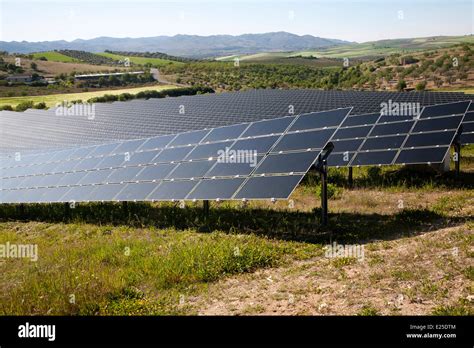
[
  {"x": 53, "y": 99},
  {"x": 461, "y": 308},
  {"x": 55, "y": 57},
  {"x": 368, "y": 310},
  {"x": 122, "y": 270},
  {"x": 467, "y": 90},
  {"x": 141, "y": 60}
]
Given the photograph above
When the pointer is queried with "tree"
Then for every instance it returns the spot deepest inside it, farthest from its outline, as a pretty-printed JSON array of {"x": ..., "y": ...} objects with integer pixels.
[
  {"x": 420, "y": 86},
  {"x": 101, "y": 81},
  {"x": 34, "y": 66},
  {"x": 401, "y": 85}
]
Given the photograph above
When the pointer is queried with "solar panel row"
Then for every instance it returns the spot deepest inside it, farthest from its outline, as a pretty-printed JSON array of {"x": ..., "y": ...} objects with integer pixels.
[
  {"x": 377, "y": 139},
  {"x": 264, "y": 159},
  {"x": 48, "y": 129}
]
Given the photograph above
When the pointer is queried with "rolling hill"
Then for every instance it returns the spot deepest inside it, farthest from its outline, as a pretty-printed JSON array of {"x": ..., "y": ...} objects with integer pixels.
[
  {"x": 371, "y": 49},
  {"x": 183, "y": 45}
]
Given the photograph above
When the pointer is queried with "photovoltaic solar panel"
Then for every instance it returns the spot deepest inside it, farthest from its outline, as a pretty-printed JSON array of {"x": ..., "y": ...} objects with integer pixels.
[
  {"x": 425, "y": 155},
  {"x": 269, "y": 187},
  {"x": 216, "y": 188},
  {"x": 172, "y": 190},
  {"x": 225, "y": 133},
  {"x": 388, "y": 141},
  {"x": 155, "y": 172},
  {"x": 374, "y": 158},
  {"x": 305, "y": 140},
  {"x": 347, "y": 145},
  {"x": 191, "y": 170},
  {"x": 444, "y": 110},
  {"x": 187, "y": 165},
  {"x": 286, "y": 163},
  {"x": 120, "y": 121},
  {"x": 203, "y": 164}
]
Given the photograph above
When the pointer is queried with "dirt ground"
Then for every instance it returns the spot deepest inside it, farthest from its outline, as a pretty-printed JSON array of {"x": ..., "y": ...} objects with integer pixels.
[{"x": 409, "y": 276}]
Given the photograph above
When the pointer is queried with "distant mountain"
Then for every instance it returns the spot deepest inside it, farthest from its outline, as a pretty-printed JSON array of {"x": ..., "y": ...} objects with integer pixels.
[{"x": 183, "y": 45}]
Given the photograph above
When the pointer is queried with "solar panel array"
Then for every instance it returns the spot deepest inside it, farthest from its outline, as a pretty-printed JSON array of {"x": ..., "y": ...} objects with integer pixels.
[
  {"x": 467, "y": 136},
  {"x": 378, "y": 139},
  {"x": 258, "y": 160},
  {"x": 44, "y": 129}
]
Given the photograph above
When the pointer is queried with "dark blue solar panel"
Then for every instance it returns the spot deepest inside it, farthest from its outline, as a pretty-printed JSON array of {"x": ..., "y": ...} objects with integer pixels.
[
  {"x": 304, "y": 140},
  {"x": 216, "y": 188},
  {"x": 323, "y": 119},
  {"x": 189, "y": 138},
  {"x": 225, "y": 133},
  {"x": 276, "y": 126},
  {"x": 172, "y": 190},
  {"x": 286, "y": 163},
  {"x": 445, "y": 110},
  {"x": 374, "y": 158},
  {"x": 189, "y": 170},
  {"x": 269, "y": 187},
  {"x": 426, "y": 155}
]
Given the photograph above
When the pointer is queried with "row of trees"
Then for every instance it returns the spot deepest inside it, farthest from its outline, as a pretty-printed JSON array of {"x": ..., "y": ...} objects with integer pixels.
[
  {"x": 175, "y": 92},
  {"x": 89, "y": 57},
  {"x": 152, "y": 55}
]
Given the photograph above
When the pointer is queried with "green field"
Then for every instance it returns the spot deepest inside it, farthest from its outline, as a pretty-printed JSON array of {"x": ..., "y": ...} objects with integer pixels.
[
  {"x": 387, "y": 47},
  {"x": 55, "y": 57},
  {"x": 366, "y": 49},
  {"x": 464, "y": 90},
  {"x": 140, "y": 60},
  {"x": 53, "y": 99}
]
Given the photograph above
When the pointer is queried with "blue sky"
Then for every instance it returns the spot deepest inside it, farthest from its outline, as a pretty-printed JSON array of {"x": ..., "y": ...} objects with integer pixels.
[{"x": 360, "y": 21}]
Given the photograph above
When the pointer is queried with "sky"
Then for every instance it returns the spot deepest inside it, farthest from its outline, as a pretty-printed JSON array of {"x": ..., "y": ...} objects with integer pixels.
[{"x": 352, "y": 20}]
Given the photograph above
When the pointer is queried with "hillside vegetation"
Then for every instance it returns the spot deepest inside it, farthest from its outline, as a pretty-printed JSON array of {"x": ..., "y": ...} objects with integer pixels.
[
  {"x": 443, "y": 68},
  {"x": 54, "y": 56},
  {"x": 89, "y": 57},
  {"x": 368, "y": 50},
  {"x": 145, "y": 61},
  {"x": 159, "y": 55}
]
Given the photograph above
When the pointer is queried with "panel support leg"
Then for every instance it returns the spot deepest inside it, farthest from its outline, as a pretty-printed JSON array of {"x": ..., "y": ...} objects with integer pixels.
[
  {"x": 205, "y": 208},
  {"x": 324, "y": 194},
  {"x": 67, "y": 211},
  {"x": 350, "y": 180},
  {"x": 126, "y": 212},
  {"x": 322, "y": 167},
  {"x": 21, "y": 211},
  {"x": 457, "y": 154}
]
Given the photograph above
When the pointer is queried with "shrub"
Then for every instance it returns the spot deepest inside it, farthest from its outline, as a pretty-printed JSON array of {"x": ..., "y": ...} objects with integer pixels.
[
  {"x": 334, "y": 192},
  {"x": 24, "y": 105},
  {"x": 373, "y": 174},
  {"x": 420, "y": 86},
  {"x": 401, "y": 85},
  {"x": 41, "y": 105}
]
